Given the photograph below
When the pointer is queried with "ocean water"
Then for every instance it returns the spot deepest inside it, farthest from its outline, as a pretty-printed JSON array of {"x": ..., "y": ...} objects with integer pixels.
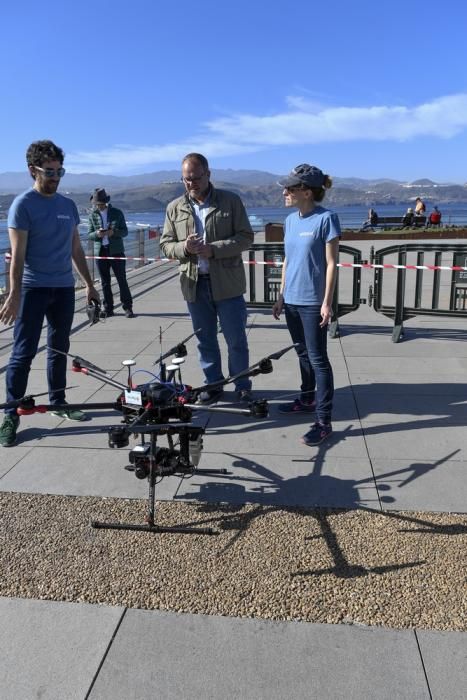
[{"x": 350, "y": 217}]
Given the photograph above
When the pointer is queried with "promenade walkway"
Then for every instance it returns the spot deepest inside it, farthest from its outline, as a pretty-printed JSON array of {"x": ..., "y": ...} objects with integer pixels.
[{"x": 337, "y": 572}]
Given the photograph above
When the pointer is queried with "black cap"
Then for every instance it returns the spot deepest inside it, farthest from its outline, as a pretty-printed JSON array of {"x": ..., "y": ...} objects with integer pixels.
[{"x": 304, "y": 174}]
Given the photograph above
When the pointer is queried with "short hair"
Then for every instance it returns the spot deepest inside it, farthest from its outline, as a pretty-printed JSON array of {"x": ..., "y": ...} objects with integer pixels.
[
  {"x": 202, "y": 160},
  {"x": 41, "y": 151}
]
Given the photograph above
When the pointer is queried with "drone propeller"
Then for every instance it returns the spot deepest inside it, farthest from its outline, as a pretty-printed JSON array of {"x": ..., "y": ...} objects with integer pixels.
[
  {"x": 29, "y": 397},
  {"x": 79, "y": 360},
  {"x": 263, "y": 366}
]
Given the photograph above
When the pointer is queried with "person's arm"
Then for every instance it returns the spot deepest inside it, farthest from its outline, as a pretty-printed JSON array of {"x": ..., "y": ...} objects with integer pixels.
[
  {"x": 79, "y": 261},
  {"x": 170, "y": 245},
  {"x": 94, "y": 230},
  {"x": 279, "y": 304},
  {"x": 332, "y": 253},
  {"x": 18, "y": 243}
]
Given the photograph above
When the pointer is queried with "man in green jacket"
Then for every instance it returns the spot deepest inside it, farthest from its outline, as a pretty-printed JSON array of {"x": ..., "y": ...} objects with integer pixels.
[
  {"x": 107, "y": 227},
  {"x": 207, "y": 230}
]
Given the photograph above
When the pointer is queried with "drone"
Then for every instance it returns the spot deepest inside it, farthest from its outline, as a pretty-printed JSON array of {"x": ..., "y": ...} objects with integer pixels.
[{"x": 164, "y": 406}]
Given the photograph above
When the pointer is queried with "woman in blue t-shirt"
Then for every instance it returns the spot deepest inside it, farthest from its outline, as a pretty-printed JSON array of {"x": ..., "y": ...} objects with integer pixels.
[{"x": 308, "y": 279}]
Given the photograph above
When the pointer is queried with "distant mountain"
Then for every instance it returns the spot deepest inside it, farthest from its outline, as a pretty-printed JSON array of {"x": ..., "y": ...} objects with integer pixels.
[
  {"x": 153, "y": 191},
  {"x": 13, "y": 182}
]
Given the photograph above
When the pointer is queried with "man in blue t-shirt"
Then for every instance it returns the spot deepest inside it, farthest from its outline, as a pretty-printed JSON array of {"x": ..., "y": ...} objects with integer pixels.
[{"x": 44, "y": 238}]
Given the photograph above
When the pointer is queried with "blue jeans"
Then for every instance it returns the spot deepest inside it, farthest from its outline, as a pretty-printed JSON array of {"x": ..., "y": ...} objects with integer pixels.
[
  {"x": 315, "y": 368},
  {"x": 118, "y": 267},
  {"x": 232, "y": 315},
  {"x": 57, "y": 304}
]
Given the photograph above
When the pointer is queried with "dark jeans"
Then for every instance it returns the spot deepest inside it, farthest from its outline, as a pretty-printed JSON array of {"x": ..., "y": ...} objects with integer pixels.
[
  {"x": 232, "y": 315},
  {"x": 118, "y": 267},
  {"x": 57, "y": 305},
  {"x": 315, "y": 368}
]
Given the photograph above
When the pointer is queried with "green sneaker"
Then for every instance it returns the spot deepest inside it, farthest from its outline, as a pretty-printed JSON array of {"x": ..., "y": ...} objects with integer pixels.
[
  {"x": 70, "y": 414},
  {"x": 8, "y": 430}
]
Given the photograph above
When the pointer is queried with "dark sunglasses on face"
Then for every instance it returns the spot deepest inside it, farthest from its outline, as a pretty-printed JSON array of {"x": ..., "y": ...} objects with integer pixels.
[{"x": 51, "y": 172}]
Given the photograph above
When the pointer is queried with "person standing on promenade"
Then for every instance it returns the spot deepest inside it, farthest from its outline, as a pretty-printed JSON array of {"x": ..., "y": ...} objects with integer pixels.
[
  {"x": 107, "y": 227},
  {"x": 44, "y": 237},
  {"x": 207, "y": 230},
  {"x": 307, "y": 287}
]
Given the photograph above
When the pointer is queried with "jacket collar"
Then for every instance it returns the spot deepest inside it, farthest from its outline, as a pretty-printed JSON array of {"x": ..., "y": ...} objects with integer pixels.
[{"x": 213, "y": 201}]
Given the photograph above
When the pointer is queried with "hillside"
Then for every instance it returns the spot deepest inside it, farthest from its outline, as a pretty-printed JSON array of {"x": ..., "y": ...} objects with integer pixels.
[{"x": 153, "y": 191}]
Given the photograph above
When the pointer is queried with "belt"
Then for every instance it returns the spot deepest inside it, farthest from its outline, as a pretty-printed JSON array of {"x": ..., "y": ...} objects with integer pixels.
[{"x": 204, "y": 275}]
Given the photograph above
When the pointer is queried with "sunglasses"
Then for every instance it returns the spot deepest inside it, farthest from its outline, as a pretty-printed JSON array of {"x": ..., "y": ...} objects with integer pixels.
[
  {"x": 193, "y": 180},
  {"x": 51, "y": 172}
]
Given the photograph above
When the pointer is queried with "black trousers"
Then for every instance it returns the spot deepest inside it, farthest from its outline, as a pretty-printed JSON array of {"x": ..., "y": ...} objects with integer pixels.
[{"x": 118, "y": 268}]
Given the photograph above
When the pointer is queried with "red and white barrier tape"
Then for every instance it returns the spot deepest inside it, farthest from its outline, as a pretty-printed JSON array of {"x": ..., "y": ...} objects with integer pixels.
[{"x": 271, "y": 263}]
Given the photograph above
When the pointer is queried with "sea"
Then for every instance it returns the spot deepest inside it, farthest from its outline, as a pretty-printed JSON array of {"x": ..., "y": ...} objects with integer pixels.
[{"x": 351, "y": 217}]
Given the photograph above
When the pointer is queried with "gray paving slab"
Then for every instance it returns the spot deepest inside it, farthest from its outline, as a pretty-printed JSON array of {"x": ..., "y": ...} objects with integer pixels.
[
  {"x": 10, "y": 457},
  {"x": 271, "y": 437},
  {"x": 445, "y": 659},
  {"x": 52, "y": 650},
  {"x": 415, "y": 440},
  {"x": 422, "y": 485},
  {"x": 196, "y": 656},
  {"x": 394, "y": 367},
  {"x": 322, "y": 481},
  {"x": 80, "y": 472}
]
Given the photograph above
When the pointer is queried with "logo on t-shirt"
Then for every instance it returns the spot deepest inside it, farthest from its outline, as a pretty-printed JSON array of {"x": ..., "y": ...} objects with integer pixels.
[
  {"x": 63, "y": 216},
  {"x": 307, "y": 233}
]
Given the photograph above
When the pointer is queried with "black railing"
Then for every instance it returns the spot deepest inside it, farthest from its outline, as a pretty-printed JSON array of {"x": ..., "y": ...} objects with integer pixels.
[
  {"x": 264, "y": 276},
  {"x": 429, "y": 292}
]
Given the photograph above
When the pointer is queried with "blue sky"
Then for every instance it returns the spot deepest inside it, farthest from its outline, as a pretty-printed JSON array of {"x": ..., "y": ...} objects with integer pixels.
[{"x": 364, "y": 89}]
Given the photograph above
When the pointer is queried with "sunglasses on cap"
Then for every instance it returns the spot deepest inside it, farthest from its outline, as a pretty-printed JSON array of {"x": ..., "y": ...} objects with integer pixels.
[{"x": 51, "y": 172}]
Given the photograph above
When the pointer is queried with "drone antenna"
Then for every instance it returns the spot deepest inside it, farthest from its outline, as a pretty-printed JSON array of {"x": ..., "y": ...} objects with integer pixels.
[{"x": 162, "y": 375}]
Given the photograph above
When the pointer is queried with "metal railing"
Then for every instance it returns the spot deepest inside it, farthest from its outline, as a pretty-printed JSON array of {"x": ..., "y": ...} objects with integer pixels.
[
  {"x": 428, "y": 292},
  {"x": 264, "y": 278}
]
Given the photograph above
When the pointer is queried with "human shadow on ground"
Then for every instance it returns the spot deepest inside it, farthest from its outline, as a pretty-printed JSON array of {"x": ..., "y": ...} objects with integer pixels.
[{"x": 271, "y": 491}]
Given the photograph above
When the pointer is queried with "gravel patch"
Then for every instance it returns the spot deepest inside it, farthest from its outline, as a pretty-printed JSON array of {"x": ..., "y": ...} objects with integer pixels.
[{"x": 397, "y": 569}]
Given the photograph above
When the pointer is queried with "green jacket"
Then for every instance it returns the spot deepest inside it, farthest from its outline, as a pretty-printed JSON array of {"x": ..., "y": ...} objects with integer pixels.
[
  {"x": 228, "y": 231},
  {"x": 116, "y": 220}
]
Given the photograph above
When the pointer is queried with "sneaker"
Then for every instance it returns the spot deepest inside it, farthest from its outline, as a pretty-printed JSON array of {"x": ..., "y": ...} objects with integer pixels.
[
  {"x": 318, "y": 434},
  {"x": 208, "y": 397},
  {"x": 8, "y": 430},
  {"x": 70, "y": 414},
  {"x": 129, "y": 313},
  {"x": 244, "y": 396},
  {"x": 297, "y": 406}
]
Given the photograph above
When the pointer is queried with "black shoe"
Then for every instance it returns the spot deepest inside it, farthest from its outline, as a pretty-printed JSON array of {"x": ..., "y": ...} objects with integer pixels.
[
  {"x": 208, "y": 397},
  {"x": 129, "y": 313},
  {"x": 106, "y": 314},
  {"x": 244, "y": 396}
]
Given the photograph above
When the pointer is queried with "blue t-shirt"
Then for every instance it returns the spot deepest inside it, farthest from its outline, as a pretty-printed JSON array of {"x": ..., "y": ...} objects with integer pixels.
[
  {"x": 305, "y": 251},
  {"x": 50, "y": 223}
]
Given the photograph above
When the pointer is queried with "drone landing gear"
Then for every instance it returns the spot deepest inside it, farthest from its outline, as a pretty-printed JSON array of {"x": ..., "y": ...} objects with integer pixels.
[{"x": 151, "y": 525}]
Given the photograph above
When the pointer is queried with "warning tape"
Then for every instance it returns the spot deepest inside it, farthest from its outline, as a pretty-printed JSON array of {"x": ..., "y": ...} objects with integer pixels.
[{"x": 272, "y": 263}]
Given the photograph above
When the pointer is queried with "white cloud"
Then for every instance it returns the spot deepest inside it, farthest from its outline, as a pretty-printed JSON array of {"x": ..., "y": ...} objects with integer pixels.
[{"x": 305, "y": 121}]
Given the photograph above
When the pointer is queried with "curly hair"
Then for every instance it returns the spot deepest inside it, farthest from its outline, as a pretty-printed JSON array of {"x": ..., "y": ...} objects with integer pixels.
[{"x": 41, "y": 151}]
